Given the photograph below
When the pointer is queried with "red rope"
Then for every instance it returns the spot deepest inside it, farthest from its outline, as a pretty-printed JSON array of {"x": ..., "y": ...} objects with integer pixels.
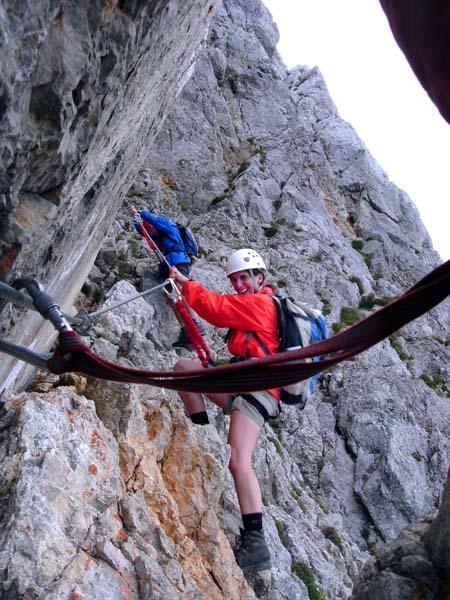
[
  {"x": 144, "y": 232},
  {"x": 273, "y": 371},
  {"x": 194, "y": 334}
]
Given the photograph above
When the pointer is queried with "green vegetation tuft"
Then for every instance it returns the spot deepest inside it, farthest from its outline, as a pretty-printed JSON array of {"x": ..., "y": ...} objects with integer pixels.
[
  {"x": 326, "y": 307},
  {"x": 359, "y": 283},
  {"x": 277, "y": 204},
  {"x": 369, "y": 301},
  {"x": 262, "y": 156},
  {"x": 349, "y": 316},
  {"x": 436, "y": 383},
  {"x": 357, "y": 245},
  {"x": 243, "y": 166},
  {"x": 135, "y": 246},
  {"x": 402, "y": 354},
  {"x": 271, "y": 231},
  {"x": 217, "y": 199},
  {"x": 296, "y": 492},
  {"x": 123, "y": 267},
  {"x": 331, "y": 534},
  {"x": 305, "y": 573},
  {"x": 277, "y": 445},
  {"x": 282, "y": 531}
]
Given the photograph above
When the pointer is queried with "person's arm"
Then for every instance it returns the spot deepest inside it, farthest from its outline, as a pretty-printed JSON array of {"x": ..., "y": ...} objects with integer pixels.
[
  {"x": 133, "y": 211},
  {"x": 135, "y": 215},
  {"x": 178, "y": 277},
  {"x": 162, "y": 224},
  {"x": 246, "y": 312}
]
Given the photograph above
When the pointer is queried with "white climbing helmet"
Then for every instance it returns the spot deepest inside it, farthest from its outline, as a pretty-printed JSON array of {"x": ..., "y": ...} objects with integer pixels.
[{"x": 243, "y": 260}]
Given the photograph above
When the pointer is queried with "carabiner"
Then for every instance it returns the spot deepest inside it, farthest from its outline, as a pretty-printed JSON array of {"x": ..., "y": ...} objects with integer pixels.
[{"x": 171, "y": 290}]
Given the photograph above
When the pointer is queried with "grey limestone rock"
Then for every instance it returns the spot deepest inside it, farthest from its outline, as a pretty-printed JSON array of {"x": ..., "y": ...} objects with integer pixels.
[
  {"x": 249, "y": 155},
  {"x": 85, "y": 89}
]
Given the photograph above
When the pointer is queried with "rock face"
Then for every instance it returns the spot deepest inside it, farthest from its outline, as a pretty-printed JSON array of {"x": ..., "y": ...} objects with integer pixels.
[
  {"x": 85, "y": 88},
  {"x": 139, "y": 500},
  {"x": 415, "y": 565}
]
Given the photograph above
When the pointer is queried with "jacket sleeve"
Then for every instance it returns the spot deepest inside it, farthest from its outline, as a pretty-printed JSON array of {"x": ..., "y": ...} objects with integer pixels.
[
  {"x": 249, "y": 312},
  {"x": 162, "y": 224}
]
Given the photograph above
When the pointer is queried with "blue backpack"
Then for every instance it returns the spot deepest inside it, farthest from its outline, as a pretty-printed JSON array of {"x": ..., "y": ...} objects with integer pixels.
[
  {"x": 189, "y": 241},
  {"x": 298, "y": 326}
]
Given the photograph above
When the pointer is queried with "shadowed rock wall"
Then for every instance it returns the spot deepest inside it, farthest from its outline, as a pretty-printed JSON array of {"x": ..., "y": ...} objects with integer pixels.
[
  {"x": 138, "y": 499},
  {"x": 85, "y": 87}
]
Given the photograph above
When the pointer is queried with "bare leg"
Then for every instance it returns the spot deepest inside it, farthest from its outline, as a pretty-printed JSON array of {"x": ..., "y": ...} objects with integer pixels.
[
  {"x": 242, "y": 438},
  {"x": 193, "y": 401}
]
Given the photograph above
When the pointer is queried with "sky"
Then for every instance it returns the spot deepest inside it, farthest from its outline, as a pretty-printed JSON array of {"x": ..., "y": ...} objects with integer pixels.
[{"x": 376, "y": 91}]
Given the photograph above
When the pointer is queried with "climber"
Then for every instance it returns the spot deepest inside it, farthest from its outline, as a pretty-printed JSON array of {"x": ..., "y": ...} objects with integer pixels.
[
  {"x": 250, "y": 309},
  {"x": 166, "y": 235}
]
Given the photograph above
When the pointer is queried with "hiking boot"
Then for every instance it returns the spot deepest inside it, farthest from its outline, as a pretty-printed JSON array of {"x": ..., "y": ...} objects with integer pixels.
[
  {"x": 183, "y": 340},
  {"x": 251, "y": 551}
]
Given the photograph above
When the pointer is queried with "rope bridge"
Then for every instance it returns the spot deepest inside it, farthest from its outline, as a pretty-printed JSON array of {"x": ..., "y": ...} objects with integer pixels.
[{"x": 269, "y": 372}]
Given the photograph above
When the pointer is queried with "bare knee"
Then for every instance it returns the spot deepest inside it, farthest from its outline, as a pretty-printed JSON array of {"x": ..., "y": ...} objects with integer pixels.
[
  {"x": 186, "y": 364},
  {"x": 239, "y": 461}
]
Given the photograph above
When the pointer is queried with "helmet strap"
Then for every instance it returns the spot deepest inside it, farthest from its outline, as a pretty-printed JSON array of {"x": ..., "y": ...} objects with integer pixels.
[{"x": 253, "y": 278}]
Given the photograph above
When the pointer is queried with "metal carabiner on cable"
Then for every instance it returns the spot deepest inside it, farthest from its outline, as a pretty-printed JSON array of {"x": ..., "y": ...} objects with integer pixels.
[{"x": 171, "y": 290}]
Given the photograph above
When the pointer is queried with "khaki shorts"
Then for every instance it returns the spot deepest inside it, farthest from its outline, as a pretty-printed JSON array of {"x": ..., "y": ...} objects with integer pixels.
[{"x": 270, "y": 403}]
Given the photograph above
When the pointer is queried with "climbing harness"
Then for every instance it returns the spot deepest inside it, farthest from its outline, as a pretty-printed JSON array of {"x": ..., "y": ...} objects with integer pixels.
[{"x": 270, "y": 372}]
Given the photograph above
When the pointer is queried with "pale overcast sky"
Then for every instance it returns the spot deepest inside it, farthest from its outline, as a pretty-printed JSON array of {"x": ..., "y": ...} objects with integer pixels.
[{"x": 376, "y": 91}]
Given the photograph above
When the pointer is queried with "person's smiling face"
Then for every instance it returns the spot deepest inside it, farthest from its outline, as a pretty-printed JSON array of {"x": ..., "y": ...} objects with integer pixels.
[{"x": 242, "y": 282}]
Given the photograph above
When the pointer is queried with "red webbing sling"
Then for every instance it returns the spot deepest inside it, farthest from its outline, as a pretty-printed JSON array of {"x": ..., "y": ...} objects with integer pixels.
[
  {"x": 194, "y": 334},
  {"x": 151, "y": 243},
  {"x": 422, "y": 28},
  {"x": 272, "y": 371}
]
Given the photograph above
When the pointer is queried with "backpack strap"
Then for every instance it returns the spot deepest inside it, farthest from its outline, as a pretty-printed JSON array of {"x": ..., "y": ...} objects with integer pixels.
[
  {"x": 261, "y": 344},
  {"x": 257, "y": 404}
]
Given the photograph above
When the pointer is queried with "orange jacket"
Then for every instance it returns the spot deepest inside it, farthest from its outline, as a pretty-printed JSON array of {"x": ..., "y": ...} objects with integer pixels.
[{"x": 241, "y": 313}]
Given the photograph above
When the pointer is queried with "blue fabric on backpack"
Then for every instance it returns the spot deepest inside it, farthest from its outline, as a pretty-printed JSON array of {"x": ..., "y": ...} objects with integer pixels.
[
  {"x": 189, "y": 241},
  {"x": 298, "y": 326},
  {"x": 169, "y": 240},
  {"x": 319, "y": 332}
]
